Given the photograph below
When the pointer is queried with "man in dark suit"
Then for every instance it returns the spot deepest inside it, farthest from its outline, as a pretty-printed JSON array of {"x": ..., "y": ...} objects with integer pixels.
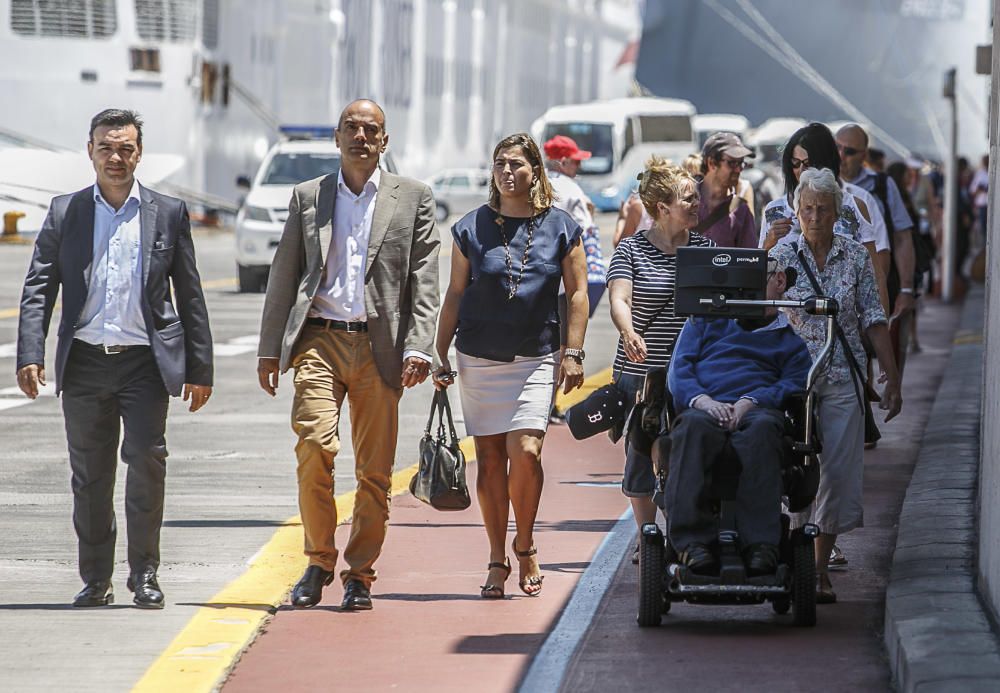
[
  {"x": 351, "y": 306},
  {"x": 116, "y": 248}
]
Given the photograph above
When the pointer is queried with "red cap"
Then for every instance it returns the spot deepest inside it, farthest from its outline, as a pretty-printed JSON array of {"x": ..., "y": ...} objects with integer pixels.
[{"x": 562, "y": 147}]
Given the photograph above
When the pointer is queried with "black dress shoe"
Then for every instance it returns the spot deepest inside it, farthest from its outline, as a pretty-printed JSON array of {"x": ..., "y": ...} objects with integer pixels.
[
  {"x": 700, "y": 559},
  {"x": 95, "y": 594},
  {"x": 309, "y": 590},
  {"x": 147, "y": 591},
  {"x": 761, "y": 559},
  {"x": 357, "y": 597}
]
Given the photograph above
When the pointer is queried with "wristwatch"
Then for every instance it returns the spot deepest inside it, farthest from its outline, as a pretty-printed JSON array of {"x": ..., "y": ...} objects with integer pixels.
[{"x": 578, "y": 354}]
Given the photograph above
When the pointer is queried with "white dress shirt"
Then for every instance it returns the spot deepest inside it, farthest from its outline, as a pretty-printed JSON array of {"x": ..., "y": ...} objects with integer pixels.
[
  {"x": 112, "y": 313},
  {"x": 341, "y": 294}
]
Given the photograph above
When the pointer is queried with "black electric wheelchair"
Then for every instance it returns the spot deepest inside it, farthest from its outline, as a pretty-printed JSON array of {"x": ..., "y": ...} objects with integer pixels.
[{"x": 703, "y": 288}]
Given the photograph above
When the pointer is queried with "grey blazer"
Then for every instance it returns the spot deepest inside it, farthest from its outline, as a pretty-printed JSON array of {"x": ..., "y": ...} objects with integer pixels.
[
  {"x": 402, "y": 292},
  {"x": 64, "y": 250}
]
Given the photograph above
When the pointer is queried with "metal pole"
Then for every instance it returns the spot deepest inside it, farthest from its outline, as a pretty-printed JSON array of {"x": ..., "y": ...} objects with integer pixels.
[{"x": 950, "y": 196}]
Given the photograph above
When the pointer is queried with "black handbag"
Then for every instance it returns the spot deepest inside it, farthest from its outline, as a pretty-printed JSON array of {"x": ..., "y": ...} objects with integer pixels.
[{"x": 440, "y": 478}]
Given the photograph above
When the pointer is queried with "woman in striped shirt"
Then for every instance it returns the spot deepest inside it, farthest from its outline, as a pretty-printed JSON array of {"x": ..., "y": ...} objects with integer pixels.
[{"x": 641, "y": 287}]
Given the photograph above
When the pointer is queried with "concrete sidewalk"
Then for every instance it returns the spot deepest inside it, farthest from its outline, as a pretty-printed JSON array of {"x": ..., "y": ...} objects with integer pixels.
[
  {"x": 749, "y": 648},
  {"x": 937, "y": 632}
]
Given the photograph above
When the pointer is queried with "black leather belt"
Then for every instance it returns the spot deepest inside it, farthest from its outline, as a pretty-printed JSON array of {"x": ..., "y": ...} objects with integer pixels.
[
  {"x": 339, "y": 325},
  {"x": 111, "y": 348}
]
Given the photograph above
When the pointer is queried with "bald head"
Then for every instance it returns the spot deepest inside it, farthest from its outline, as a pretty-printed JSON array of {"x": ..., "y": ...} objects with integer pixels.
[
  {"x": 853, "y": 130},
  {"x": 852, "y": 143},
  {"x": 366, "y": 106}
]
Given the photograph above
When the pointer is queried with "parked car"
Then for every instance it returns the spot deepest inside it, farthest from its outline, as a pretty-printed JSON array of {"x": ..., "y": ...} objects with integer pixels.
[
  {"x": 261, "y": 218},
  {"x": 459, "y": 190}
]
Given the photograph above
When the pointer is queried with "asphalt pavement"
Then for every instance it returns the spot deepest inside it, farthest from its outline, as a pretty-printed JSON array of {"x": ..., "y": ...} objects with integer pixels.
[{"x": 230, "y": 485}]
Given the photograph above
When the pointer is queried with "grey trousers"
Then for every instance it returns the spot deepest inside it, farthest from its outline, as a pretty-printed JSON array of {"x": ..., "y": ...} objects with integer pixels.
[
  {"x": 696, "y": 440},
  {"x": 101, "y": 394}
]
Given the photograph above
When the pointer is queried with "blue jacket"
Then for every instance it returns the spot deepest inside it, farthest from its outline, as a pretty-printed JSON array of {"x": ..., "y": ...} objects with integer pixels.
[{"x": 719, "y": 358}]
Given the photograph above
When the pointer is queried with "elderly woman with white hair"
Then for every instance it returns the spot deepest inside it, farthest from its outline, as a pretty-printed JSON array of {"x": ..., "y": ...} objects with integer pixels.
[{"x": 843, "y": 270}]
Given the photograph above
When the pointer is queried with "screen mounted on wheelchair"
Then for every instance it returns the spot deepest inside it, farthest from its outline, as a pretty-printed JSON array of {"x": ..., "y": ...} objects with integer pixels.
[{"x": 711, "y": 273}]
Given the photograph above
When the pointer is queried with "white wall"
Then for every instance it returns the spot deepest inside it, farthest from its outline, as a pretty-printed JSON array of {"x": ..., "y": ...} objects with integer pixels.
[{"x": 989, "y": 490}]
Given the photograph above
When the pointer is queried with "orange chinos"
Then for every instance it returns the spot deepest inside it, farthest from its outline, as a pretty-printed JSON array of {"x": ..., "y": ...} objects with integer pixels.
[{"x": 329, "y": 365}]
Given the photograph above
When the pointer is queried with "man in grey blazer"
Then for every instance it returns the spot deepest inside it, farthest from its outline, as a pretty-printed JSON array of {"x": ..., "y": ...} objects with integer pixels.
[
  {"x": 351, "y": 306},
  {"x": 124, "y": 348}
]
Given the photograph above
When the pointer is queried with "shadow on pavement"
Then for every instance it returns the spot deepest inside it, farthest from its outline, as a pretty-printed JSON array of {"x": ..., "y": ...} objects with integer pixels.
[
  {"x": 237, "y": 524},
  {"x": 503, "y": 643},
  {"x": 59, "y": 607},
  {"x": 228, "y": 605}
]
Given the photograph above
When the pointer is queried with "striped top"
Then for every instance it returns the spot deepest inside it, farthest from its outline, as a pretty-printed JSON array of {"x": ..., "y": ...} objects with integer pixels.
[{"x": 651, "y": 272}]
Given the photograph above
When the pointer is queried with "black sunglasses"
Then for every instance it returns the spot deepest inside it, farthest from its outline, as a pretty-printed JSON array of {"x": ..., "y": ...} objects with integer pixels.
[
  {"x": 848, "y": 151},
  {"x": 799, "y": 163}
]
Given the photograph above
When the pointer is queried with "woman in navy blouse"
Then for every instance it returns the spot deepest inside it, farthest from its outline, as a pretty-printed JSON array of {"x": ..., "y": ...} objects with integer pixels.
[{"x": 501, "y": 308}]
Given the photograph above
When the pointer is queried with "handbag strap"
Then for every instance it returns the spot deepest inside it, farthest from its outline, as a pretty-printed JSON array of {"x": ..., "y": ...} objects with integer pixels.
[
  {"x": 841, "y": 338},
  {"x": 442, "y": 407}
]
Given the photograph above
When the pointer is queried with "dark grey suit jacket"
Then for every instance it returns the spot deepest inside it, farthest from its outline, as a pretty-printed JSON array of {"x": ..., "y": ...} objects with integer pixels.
[
  {"x": 401, "y": 274},
  {"x": 179, "y": 336}
]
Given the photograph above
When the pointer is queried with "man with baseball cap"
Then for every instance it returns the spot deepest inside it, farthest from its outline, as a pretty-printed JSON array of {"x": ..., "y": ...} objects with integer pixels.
[
  {"x": 562, "y": 162},
  {"x": 723, "y": 215}
]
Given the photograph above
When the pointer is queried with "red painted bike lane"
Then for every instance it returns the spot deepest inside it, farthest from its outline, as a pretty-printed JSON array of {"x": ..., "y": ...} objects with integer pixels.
[{"x": 430, "y": 630}]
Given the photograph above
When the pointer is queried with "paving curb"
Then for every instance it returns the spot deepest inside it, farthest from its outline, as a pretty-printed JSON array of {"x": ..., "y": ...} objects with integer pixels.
[{"x": 937, "y": 633}]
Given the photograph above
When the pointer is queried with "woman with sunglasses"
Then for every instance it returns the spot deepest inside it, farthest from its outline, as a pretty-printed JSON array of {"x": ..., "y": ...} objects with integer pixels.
[{"x": 814, "y": 146}]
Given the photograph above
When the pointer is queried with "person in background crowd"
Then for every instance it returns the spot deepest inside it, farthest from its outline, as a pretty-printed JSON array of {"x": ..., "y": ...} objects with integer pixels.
[
  {"x": 350, "y": 334},
  {"x": 844, "y": 272},
  {"x": 632, "y": 217},
  {"x": 692, "y": 164},
  {"x": 904, "y": 173},
  {"x": 562, "y": 163},
  {"x": 875, "y": 160},
  {"x": 501, "y": 309},
  {"x": 813, "y": 146},
  {"x": 965, "y": 216},
  {"x": 852, "y": 143},
  {"x": 979, "y": 191},
  {"x": 723, "y": 216},
  {"x": 641, "y": 285}
]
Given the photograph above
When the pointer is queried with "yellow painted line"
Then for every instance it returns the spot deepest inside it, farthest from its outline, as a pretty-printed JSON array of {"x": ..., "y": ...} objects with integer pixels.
[
  {"x": 599, "y": 379},
  {"x": 205, "y": 651},
  {"x": 202, "y": 654},
  {"x": 9, "y": 313},
  {"x": 968, "y": 338}
]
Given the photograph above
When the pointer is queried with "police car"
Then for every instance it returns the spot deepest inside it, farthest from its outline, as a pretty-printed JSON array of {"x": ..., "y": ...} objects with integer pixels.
[{"x": 304, "y": 153}]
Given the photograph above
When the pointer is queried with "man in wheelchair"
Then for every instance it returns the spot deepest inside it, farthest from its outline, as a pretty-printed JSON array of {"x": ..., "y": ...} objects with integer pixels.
[{"x": 728, "y": 379}]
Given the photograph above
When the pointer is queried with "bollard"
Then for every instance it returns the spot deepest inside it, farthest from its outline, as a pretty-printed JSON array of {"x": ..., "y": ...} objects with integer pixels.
[{"x": 10, "y": 220}]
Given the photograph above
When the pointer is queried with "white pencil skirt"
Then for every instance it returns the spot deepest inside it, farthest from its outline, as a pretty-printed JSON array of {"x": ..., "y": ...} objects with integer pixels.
[{"x": 501, "y": 396}]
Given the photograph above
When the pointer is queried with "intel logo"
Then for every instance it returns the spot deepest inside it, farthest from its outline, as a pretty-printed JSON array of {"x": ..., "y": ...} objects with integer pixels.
[{"x": 722, "y": 259}]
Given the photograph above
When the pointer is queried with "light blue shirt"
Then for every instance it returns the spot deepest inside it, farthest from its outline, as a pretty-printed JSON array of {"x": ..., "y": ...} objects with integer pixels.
[{"x": 112, "y": 314}]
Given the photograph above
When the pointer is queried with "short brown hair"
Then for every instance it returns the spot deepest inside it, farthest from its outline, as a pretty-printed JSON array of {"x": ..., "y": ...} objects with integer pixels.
[
  {"x": 542, "y": 195},
  {"x": 661, "y": 182}
]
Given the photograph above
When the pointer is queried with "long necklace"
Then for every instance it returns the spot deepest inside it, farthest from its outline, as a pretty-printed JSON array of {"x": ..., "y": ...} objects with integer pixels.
[{"x": 510, "y": 261}]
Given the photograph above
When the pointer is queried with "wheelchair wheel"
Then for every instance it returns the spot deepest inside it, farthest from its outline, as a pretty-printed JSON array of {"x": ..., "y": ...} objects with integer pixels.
[
  {"x": 781, "y": 605},
  {"x": 804, "y": 583},
  {"x": 651, "y": 599}
]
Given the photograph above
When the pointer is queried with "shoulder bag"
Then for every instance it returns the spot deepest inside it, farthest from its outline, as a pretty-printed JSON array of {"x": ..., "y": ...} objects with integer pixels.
[{"x": 858, "y": 377}]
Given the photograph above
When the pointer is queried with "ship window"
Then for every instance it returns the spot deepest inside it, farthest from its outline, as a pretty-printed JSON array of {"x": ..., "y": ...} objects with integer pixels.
[
  {"x": 165, "y": 20},
  {"x": 210, "y": 24},
  {"x": 64, "y": 18}
]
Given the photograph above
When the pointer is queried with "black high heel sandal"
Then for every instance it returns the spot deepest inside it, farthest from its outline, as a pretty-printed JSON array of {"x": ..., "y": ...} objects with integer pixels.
[
  {"x": 533, "y": 581},
  {"x": 491, "y": 591}
]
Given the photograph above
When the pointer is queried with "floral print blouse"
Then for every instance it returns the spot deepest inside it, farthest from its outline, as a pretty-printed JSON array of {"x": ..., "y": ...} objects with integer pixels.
[{"x": 848, "y": 277}]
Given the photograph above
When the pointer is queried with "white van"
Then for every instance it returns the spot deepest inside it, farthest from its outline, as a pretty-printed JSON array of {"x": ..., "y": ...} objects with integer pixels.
[
  {"x": 609, "y": 129},
  {"x": 707, "y": 123},
  {"x": 769, "y": 138}
]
